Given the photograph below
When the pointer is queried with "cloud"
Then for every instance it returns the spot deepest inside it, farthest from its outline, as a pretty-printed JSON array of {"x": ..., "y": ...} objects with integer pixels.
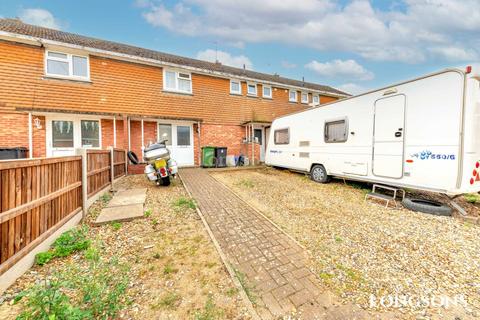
[
  {"x": 288, "y": 65},
  {"x": 39, "y": 17},
  {"x": 225, "y": 58},
  {"x": 340, "y": 68},
  {"x": 411, "y": 32},
  {"x": 352, "y": 88}
]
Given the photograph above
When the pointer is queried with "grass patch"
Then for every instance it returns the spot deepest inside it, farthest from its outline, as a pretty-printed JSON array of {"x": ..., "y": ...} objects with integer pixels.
[
  {"x": 472, "y": 198},
  {"x": 183, "y": 203},
  {"x": 69, "y": 242},
  {"x": 246, "y": 287},
  {"x": 232, "y": 292},
  {"x": 210, "y": 311},
  {"x": 106, "y": 197},
  {"x": 351, "y": 273},
  {"x": 94, "y": 290},
  {"x": 247, "y": 183},
  {"x": 338, "y": 239},
  {"x": 325, "y": 276}
]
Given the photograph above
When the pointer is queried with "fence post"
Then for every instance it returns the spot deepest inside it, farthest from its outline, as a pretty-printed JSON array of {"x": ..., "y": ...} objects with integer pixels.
[
  {"x": 83, "y": 152},
  {"x": 112, "y": 167}
]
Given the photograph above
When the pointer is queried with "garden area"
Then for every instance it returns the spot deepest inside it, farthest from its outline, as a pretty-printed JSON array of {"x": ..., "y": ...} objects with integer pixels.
[
  {"x": 162, "y": 266},
  {"x": 361, "y": 250}
]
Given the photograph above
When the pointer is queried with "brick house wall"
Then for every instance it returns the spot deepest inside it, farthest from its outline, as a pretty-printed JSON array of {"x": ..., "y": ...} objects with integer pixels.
[{"x": 128, "y": 89}]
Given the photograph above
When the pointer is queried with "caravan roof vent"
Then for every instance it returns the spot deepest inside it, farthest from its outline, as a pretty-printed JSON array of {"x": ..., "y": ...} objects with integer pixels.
[{"x": 390, "y": 91}]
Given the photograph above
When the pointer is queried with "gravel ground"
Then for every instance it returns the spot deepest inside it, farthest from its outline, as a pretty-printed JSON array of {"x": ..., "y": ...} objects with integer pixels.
[
  {"x": 360, "y": 249},
  {"x": 174, "y": 267}
]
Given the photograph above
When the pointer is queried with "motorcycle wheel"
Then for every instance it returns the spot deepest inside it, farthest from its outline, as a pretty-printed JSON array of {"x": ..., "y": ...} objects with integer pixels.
[{"x": 166, "y": 181}]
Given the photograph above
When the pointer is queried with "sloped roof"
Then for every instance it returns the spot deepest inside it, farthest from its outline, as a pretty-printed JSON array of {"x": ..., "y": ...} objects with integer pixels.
[{"x": 18, "y": 27}]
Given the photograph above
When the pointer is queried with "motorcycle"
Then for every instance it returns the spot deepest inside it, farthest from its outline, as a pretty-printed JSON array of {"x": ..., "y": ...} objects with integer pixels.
[{"x": 160, "y": 167}]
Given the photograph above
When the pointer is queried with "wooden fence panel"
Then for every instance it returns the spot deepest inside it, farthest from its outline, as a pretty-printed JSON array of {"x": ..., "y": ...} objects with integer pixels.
[
  {"x": 119, "y": 161},
  {"x": 98, "y": 170},
  {"x": 37, "y": 197}
]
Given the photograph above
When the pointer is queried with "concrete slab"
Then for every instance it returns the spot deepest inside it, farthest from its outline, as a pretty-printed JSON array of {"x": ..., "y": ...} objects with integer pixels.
[
  {"x": 120, "y": 213},
  {"x": 127, "y": 197}
]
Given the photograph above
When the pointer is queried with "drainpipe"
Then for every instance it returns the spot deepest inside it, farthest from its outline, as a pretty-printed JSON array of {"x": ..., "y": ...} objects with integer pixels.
[
  {"x": 199, "y": 144},
  {"x": 114, "y": 132},
  {"x": 143, "y": 142},
  {"x": 253, "y": 146},
  {"x": 30, "y": 136},
  {"x": 128, "y": 124}
]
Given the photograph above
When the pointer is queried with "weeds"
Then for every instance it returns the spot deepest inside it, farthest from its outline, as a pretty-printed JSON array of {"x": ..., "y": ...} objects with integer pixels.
[
  {"x": 116, "y": 226},
  {"x": 472, "y": 198},
  {"x": 169, "y": 300},
  {"x": 210, "y": 311},
  {"x": 168, "y": 269},
  {"x": 69, "y": 242},
  {"x": 247, "y": 183},
  {"x": 147, "y": 213},
  {"x": 243, "y": 282},
  {"x": 94, "y": 290},
  {"x": 106, "y": 197},
  {"x": 183, "y": 203}
]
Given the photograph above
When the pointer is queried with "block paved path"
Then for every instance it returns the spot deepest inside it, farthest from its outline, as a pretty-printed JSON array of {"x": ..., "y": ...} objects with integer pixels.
[{"x": 275, "y": 266}]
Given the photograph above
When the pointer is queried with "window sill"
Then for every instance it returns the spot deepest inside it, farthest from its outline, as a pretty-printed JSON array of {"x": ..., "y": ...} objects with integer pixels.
[
  {"x": 293, "y": 102},
  {"x": 267, "y": 98},
  {"x": 183, "y": 93},
  {"x": 238, "y": 94},
  {"x": 67, "y": 79},
  {"x": 306, "y": 103},
  {"x": 252, "y": 96}
]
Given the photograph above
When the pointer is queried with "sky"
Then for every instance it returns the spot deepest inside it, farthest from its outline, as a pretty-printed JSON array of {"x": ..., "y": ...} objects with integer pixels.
[{"x": 353, "y": 45}]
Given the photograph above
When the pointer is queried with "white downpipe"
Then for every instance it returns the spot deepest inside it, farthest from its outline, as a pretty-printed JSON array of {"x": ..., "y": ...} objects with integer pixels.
[
  {"x": 114, "y": 132},
  {"x": 143, "y": 142},
  {"x": 30, "y": 136},
  {"x": 128, "y": 129},
  {"x": 252, "y": 163}
]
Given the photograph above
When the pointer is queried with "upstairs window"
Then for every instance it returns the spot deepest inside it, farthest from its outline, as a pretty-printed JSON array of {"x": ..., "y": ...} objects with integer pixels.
[
  {"x": 177, "y": 81},
  {"x": 304, "y": 97},
  {"x": 281, "y": 136},
  {"x": 336, "y": 131},
  {"x": 251, "y": 89},
  {"x": 267, "y": 92},
  {"x": 292, "y": 96},
  {"x": 235, "y": 87},
  {"x": 66, "y": 65},
  {"x": 316, "y": 99}
]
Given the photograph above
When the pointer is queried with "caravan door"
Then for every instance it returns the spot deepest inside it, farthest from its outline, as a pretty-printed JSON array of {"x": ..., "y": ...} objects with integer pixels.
[{"x": 388, "y": 137}]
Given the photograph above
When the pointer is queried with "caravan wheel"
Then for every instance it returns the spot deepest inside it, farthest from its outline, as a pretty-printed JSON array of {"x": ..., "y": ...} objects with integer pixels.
[{"x": 319, "y": 174}]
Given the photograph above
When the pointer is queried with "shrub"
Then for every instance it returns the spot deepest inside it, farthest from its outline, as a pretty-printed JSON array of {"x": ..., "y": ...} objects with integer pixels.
[{"x": 44, "y": 257}]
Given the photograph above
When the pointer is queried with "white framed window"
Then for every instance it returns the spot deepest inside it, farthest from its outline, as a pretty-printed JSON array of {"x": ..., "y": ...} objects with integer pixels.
[
  {"x": 66, "y": 65},
  {"x": 252, "y": 89},
  {"x": 281, "y": 136},
  {"x": 336, "y": 131},
  {"x": 292, "y": 96},
  {"x": 177, "y": 81},
  {"x": 304, "y": 97},
  {"x": 316, "y": 99},
  {"x": 235, "y": 87},
  {"x": 267, "y": 91}
]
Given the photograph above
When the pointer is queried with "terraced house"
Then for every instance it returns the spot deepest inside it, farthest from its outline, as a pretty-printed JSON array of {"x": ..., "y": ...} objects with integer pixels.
[{"x": 60, "y": 91}]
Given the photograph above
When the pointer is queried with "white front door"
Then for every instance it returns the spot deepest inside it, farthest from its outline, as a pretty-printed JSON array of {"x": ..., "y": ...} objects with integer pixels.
[
  {"x": 260, "y": 139},
  {"x": 179, "y": 138},
  {"x": 388, "y": 137},
  {"x": 66, "y": 133}
]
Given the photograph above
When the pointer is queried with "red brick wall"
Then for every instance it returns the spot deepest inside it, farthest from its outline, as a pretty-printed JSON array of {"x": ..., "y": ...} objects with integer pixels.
[
  {"x": 39, "y": 138},
  {"x": 14, "y": 132}
]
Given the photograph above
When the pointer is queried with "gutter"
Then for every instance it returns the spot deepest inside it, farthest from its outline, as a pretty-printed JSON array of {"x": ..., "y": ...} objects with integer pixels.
[{"x": 121, "y": 56}]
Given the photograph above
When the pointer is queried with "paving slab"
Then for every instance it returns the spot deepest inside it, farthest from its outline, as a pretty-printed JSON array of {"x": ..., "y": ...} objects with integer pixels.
[
  {"x": 120, "y": 213},
  {"x": 127, "y": 197}
]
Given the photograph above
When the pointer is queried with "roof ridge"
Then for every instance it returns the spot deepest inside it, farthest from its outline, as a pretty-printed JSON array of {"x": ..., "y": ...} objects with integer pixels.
[{"x": 15, "y": 25}]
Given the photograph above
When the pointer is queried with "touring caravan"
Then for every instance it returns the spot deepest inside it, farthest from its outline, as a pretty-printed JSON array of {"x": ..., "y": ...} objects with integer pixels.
[{"x": 421, "y": 134}]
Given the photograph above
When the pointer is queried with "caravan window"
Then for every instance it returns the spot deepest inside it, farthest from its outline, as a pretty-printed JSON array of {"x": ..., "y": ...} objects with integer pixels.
[
  {"x": 282, "y": 136},
  {"x": 336, "y": 131}
]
